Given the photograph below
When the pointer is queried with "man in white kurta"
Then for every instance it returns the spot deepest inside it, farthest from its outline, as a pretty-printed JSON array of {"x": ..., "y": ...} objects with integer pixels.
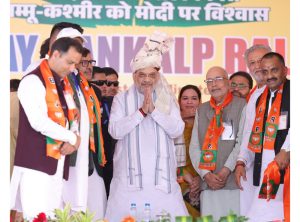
[
  {"x": 246, "y": 195},
  {"x": 36, "y": 185},
  {"x": 145, "y": 120},
  {"x": 94, "y": 192},
  {"x": 252, "y": 57},
  {"x": 259, "y": 209},
  {"x": 76, "y": 188}
]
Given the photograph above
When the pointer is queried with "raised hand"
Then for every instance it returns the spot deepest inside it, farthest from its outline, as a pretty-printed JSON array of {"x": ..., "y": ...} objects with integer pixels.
[
  {"x": 146, "y": 102},
  {"x": 151, "y": 104}
]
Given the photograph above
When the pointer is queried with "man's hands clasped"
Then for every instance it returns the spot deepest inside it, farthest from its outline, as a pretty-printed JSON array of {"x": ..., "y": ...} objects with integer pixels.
[
  {"x": 148, "y": 105},
  {"x": 67, "y": 148}
]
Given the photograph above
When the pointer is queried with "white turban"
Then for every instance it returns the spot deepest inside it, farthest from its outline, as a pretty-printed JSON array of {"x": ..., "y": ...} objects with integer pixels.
[{"x": 150, "y": 55}]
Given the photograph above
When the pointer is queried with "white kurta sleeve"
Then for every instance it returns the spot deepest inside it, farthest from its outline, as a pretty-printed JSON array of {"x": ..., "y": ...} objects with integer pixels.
[
  {"x": 245, "y": 154},
  {"x": 195, "y": 149},
  {"x": 172, "y": 123},
  {"x": 286, "y": 144},
  {"x": 32, "y": 94},
  {"x": 232, "y": 158},
  {"x": 119, "y": 124}
]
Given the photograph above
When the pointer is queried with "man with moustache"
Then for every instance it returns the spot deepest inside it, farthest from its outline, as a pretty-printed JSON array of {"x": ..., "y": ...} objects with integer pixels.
[
  {"x": 213, "y": 148},
  {"x": 86, "y": 64},
  {"x": 240, "y": 84},
  {"x": 244, "y": 169},
  {"x": 272, "y": 110},
  {"x": 145, "y": 120}
]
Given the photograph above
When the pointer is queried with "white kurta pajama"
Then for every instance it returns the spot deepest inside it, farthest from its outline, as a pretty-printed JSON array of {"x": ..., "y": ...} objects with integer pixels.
[
  {"x": 83, "y": 191},
  {"x": 258, "y": 210},
  {"x": 139, "y": 141},
  {"x": 96, "y": 196},
  {"x": 76, "y": 187},
  {"x": 34, "y": 191},
  {"x": 246, "y": 196}
]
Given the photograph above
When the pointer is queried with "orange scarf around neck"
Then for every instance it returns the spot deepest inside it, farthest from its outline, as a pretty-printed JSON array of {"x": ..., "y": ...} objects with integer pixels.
[
  {"x": 255, "y": 141},
  {"x": 93, "y": 107},
  {"x": 209, "y": 149},
  {"x": 55, "y": 111}
]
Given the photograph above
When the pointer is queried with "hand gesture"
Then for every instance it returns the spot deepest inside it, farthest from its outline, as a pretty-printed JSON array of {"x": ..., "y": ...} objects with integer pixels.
[
  {"x": 67, "y": 149},
  {"x": 240, "y": 172},
  {"x": 282, "y": 159},
  {"x": 148, "y": 105},
  {"x": 224, "y": 173},
  {"x": 214, "y": 181}
]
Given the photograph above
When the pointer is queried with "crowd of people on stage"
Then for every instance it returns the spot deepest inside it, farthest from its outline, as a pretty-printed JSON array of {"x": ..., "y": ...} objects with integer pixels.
[{"x": 77, "y": 140}]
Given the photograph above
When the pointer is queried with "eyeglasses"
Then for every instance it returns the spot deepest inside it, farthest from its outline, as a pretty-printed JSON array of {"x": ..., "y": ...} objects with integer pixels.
[
  {"x": 234, "y": 85},
  {"x": 144, "y": 75},
  {"x": 99, "y": 82},
  {"x": 85, "y": 63},
  {"x": 216, "y": 80},
  {"x": 114, "y": 83}
]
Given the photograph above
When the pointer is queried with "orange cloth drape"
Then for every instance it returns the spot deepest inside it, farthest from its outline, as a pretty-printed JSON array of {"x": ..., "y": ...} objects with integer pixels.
[{"x": 286, "y": 195}]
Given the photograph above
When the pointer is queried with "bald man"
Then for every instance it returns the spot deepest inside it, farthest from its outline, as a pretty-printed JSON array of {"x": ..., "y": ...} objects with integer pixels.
[{"x": 212, "y": 148}]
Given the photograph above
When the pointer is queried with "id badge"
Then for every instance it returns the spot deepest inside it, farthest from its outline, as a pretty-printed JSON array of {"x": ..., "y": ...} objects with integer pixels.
[
  {"x": 283, "y": 121},
  {"x": 228, "y": 133}
]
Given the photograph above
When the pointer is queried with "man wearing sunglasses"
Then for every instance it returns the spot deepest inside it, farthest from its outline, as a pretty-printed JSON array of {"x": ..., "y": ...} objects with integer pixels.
[
  {"x": 240, "y": 84},
  {"x": 112, "y": 80},
  {"x": 100, "y": 83}
]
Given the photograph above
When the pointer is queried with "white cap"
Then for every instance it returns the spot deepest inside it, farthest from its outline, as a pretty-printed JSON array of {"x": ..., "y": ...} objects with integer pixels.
[{"x": 71, "y": 33}]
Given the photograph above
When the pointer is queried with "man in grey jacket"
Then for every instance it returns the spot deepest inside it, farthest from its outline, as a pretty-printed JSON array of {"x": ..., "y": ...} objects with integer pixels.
[{"x": 213, "y": 147}]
